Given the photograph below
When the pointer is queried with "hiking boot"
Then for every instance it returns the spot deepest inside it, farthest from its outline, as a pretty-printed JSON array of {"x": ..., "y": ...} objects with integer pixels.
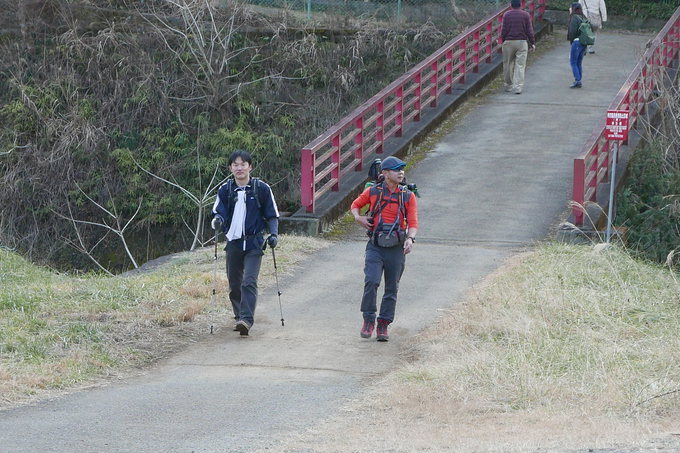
[
  {"x": 382, "y": 335},
  {"x": 243, "y": 327},
  {"x": 367, "y": 329}
]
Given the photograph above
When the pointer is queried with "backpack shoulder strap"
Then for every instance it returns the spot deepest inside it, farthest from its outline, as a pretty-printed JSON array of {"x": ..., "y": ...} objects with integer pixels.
[
  {"x": 256, "y": 182},
  {"x": 403, "y": 198},
  {"x": 230, "y": 196},
  {"x": 380, "y": 203},
  {"x": 377, "y": 190}
]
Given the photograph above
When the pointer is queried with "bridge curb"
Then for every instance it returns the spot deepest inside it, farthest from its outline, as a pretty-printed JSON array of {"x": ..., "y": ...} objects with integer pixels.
[{"x": 334, "y": 205}]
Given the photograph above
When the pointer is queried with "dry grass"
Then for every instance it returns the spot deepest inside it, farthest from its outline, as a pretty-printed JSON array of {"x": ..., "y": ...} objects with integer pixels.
[
  {"x": 61, "y": 332},
  {"x": 567, "y": 347}
]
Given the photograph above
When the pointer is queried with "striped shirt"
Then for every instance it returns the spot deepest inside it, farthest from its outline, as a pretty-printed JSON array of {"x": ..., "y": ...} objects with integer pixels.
[{"x": 517, "y": 26}]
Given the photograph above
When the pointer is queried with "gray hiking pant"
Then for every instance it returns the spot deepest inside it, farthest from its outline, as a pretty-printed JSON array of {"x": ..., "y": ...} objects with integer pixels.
[
  {"x": 243, "y": 268},
  {"x": 391, "y": 262}
]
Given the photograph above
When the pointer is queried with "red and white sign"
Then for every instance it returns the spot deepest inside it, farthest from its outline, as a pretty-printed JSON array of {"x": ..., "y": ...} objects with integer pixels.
[{"x": 616, "y": 126}]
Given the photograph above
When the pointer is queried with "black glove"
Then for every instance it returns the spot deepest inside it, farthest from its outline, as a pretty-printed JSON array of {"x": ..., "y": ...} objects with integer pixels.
[
  {"x": 217, "y": 221},
  {"x": 272, "y": 240}
]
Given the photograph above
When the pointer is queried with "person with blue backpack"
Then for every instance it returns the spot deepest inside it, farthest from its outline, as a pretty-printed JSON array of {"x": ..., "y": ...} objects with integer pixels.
[
  {"x": 580, "y": 35},
  {"x": 243, "y": 209}
]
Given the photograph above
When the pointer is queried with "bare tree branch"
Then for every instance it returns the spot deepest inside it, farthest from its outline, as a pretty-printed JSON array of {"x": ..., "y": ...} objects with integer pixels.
[
  {"x": 80, "y": 246},
  {"x": 118, "y": 230},
  {"x": 202, "y": 200},
  {"x": 211, "y": 46}
]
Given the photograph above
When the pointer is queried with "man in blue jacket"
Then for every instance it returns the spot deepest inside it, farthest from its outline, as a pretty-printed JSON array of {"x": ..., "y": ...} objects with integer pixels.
[{"x": 244, "y": 208}]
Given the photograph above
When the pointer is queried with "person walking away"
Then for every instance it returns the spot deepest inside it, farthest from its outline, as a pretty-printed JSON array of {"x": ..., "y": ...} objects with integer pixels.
[
  {"x": 578, "y": 50},
  {"x": 517, "y": 35},
  {"x": 245, "y": 207},
  {"x": 596, "y": 13},
  {"x": 392, "y": 224}
]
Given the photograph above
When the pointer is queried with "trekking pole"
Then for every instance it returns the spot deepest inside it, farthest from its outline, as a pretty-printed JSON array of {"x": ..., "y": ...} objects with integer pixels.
[
  {"x": 213, "y": 297},
  {"x": 276, "y": 277}
]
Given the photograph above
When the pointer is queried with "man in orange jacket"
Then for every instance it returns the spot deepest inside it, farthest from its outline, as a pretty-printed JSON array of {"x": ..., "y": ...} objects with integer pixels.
[{"x": 392, "y": 224}]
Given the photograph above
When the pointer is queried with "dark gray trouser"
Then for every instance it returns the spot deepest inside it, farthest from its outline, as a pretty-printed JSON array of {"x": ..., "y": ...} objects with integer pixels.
[
  {"x": 390, "y": 261},
  {"x": 243, "y": 268}
]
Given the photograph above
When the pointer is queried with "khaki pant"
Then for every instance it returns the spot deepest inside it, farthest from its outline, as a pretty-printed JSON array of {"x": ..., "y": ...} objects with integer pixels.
[{"x": 514, "y": 61}]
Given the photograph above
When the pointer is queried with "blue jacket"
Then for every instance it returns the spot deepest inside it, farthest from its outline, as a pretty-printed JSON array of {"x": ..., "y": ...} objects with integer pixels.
[{"x": 259, "y": 214}]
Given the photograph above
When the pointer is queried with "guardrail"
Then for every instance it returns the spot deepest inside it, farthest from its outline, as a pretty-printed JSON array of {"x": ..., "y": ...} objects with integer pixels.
[
  {"x": 592, "y": 166},
  {"x": 360, "y": 136}
]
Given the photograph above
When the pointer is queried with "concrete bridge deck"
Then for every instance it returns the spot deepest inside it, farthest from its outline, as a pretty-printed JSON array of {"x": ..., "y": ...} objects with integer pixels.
[{"x": 493, "y": 186}]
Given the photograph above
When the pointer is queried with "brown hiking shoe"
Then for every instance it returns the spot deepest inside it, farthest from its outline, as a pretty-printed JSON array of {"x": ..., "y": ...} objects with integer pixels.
[
  {"x": 367, "y": 329},
  {"x": 382, "y": 335}
]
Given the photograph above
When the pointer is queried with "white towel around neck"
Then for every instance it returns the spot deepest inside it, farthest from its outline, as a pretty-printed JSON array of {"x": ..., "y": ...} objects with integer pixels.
[{"x": 238, "y": 219}]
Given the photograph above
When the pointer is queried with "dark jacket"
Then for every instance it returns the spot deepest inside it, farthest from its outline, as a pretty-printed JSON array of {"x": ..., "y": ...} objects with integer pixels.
[
  {"x": 574, "y": 23},
  {"x": 260, "y": 214}
]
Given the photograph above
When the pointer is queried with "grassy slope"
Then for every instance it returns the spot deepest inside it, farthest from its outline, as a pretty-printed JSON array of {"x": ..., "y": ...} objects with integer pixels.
[{"x": 59, "y": 332}]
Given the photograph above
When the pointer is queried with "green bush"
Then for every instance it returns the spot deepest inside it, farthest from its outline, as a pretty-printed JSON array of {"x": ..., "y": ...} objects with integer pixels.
[{"x": 649, "y": 204}]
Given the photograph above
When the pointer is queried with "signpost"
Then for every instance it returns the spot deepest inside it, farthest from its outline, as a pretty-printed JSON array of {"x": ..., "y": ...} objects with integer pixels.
[{"x": 616, "y": 130}]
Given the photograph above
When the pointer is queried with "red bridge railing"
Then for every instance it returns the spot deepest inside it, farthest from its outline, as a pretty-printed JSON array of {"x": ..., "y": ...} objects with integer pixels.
[
  {"x": 361, "y": 135},
  {"x": 592, "y": 166}
]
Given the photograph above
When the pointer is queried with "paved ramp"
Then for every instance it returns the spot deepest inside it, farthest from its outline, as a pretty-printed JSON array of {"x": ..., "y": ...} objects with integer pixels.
[{"x": 492, "y": 187}]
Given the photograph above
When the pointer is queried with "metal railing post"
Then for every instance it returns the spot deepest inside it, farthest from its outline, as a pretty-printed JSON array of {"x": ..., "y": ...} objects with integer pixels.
[
  {"x": 380, "y": 124},
  {"x": 475, "y": 50},
  {"x": 359, "y": 142},
  {"x": 400, "y": 111},
  {"x": 489, "y": 42},
  {"x": 578, "y": 191},
  {"x": 307, "y": 175},
  {"x": 448, "y": 67},
  {"x": 335, "y": 158},
  {"x": 612, "y": 189},
  {"x": 463, "y": 59},
  {"x": 434, "y": 81},
  {"x": 418, "y": 94}
]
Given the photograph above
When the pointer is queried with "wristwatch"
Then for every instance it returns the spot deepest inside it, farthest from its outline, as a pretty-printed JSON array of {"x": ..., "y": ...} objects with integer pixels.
[{"x": 412, "y": 239}]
